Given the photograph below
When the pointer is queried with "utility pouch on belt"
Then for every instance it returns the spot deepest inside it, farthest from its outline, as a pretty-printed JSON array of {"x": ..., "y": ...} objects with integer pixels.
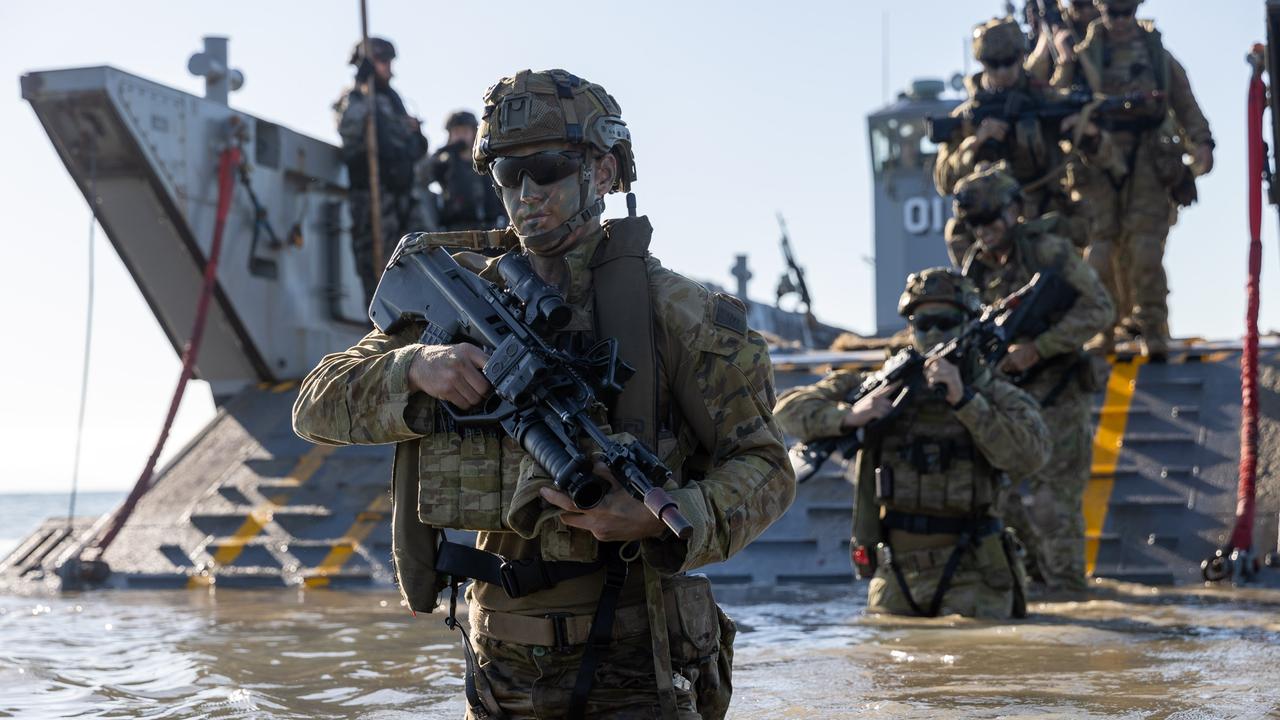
[{"x": 701, "y": 638}]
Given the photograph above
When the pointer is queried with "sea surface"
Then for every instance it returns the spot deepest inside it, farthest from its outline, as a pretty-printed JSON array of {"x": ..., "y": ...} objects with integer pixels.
[
  {"x": 20, "y": 513},
  {"x": 1123, "y": 651}
]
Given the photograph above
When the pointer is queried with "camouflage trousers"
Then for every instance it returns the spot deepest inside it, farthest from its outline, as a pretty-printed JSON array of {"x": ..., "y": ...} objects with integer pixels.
[
  {"x": 530, "y": 681},
  {"x": 1049, "y": 518},
  {"x": 401, "y": 214},
  {"x": 982, "y": 586},
  {"x": 1128, "y": 227}
]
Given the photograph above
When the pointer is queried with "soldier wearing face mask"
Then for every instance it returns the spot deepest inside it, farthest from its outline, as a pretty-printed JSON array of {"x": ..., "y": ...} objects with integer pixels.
[
  {"x": 1051, "y": 367},
  {"x": 930, "y": 476}
]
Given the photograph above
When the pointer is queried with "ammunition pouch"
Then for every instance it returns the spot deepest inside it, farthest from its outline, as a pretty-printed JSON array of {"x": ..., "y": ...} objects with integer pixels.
[
  {"x": 467, "y": 475},
  {"x": 934, "y": 475},
  {"x": 701, "y": 638}
]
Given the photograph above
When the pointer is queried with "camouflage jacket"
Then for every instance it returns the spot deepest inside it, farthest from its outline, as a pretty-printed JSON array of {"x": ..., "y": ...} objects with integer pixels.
[
  {"x": 1003, "y": 422},
  {"x": 1140, "y": 65},
  {"x": 737, "y": 477},
  {"x": 1035, "y": 249},
  {"x": 400, "y": 146}
]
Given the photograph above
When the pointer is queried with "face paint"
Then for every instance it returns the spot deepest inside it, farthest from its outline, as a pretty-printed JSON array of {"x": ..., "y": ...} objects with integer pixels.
[{"x": 535, "y": 209}]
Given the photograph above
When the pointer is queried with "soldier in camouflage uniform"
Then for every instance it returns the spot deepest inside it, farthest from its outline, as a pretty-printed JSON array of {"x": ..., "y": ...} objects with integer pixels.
[
  {"x": 554, "y": 145},
  {"x": 1029, "y": 148},
  {"x": 1058, "y": 47},
  {"x": 1051, "y": 367},
  {"x": 929, "y": 478},
  {"x": 400, "y": 145},
  {"x": 1133, "y": 202}
]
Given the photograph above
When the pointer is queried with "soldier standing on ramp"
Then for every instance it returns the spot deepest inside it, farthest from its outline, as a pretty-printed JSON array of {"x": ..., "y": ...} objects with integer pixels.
[
  {"x": 546, "y": 572},
  {"x": 1051, "y": 367},
  {"x": 928, "y": 484},
  {"x": 1029, "y": 147},
  {"x": 400, "y": 145},
  {"x": 1132, "y": 206}
]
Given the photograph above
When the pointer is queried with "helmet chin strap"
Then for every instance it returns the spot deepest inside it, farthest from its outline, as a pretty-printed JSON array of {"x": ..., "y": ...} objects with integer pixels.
[{"x": 551, "y": 239}]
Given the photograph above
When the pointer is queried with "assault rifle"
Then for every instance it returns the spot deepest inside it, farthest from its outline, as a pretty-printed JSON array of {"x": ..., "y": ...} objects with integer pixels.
[
  {"x": 1017, "y": 106},
  {"x": 542, "y": 397},
  {"x": 1027, "y": 312}
]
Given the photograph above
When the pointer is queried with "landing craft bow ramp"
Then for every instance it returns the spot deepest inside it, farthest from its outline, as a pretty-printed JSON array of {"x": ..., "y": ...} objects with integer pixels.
[{"x": 247, "y": 503}]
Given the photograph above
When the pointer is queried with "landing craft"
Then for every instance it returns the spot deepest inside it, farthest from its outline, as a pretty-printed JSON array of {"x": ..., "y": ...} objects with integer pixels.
[{"x": 248, "y": 504}]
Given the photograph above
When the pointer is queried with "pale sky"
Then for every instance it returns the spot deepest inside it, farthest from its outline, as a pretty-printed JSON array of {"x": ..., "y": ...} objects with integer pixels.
[{"x": 737, "y": 109}]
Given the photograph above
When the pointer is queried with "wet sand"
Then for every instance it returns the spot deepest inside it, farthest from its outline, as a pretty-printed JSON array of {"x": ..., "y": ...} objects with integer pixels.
[{"x": 1125, "y": 651}]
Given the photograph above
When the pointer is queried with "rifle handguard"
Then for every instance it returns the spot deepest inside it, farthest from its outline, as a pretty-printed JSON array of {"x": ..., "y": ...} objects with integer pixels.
[{"x": 664, "y": 507}]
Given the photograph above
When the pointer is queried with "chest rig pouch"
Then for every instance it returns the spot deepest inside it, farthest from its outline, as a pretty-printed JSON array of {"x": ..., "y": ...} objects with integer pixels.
[{"x": 928, "y": 464}]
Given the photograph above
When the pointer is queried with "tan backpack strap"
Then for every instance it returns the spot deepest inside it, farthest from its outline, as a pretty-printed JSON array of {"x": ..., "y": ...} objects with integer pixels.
[{"x": 624, "y": 311}]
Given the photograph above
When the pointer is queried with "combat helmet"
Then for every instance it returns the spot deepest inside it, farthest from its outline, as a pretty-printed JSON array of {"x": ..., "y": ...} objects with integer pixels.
[
  {"x": 939, "y": 284},
  {"x": 998, "y": 39},
  {"x": 381, "y": 48},
  {"x": 555, "y": 106},
  {"x": 1121, "y": 5},
  {"x": 983, "y": 196},
  {"x": 461, "y": 118}
]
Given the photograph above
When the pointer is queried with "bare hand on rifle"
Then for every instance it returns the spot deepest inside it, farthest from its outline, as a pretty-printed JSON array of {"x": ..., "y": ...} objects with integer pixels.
[
  {"x": 618, "y": 518},
  {"x": 870, "y": 407},
  {"x": 941, "y": 372},
  {"x": 991, "y": 129},
  {"x": 450, "y": 373},
  {"x": 1021, "y": 357},
  {"x": 1203, "y": 159}
]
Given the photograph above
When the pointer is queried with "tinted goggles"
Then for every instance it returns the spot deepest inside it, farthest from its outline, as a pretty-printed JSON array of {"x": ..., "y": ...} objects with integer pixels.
[
  {"x": 542, "y": 168},
  {"x": 1118, "y": 13},
  {"x": 1000, "y": 63},
  {"x": 943, "y": 322}
]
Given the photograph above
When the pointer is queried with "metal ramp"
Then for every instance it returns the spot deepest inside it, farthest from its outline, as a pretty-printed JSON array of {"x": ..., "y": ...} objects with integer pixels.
[{"x": 246, "y": 504}]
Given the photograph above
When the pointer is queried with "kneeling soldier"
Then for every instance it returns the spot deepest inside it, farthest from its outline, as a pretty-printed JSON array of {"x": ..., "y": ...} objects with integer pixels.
[{"x": 930, "y": 473}]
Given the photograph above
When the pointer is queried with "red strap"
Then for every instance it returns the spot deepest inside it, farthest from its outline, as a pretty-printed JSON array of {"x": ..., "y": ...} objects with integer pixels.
[{"x": 228, "y": 161}]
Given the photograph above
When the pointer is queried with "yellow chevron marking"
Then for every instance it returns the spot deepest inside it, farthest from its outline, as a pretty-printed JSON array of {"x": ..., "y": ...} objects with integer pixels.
[
  {"x": 346, "y": 546},
  {"x": 282, "y": 387},
  {"x": 258, "y": 518},
  {"x": 1107, "y": 442}
]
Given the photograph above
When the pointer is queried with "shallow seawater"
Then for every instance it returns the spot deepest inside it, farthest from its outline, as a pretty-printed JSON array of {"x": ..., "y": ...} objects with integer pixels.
[{"x": 1126, "y": 651}]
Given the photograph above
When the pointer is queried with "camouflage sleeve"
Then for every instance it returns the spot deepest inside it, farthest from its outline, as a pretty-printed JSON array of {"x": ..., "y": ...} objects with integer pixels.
[
  {"x": 955, "y": 158},
  {"x": 750, "y": 483},
  {"x": 359, "y": 396},
  {"x": 816, "y": 411},
  {"x": 1184, "y": 103},
  {"x": 1092, "y": 310},
  {"x": 1006, "y": 425},
  {"x": 1039, "y": 64}
]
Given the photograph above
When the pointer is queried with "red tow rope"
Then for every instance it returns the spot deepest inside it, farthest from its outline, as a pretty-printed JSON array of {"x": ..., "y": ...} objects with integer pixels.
[
  {"x": 228, "y": 161},
  {"x": 1236, "y": 560}
]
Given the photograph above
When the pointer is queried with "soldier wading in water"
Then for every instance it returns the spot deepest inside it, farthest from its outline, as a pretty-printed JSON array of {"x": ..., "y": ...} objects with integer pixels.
[
  {"x": 554, "y": 145},
  {"x": 929, "y": 480}
]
